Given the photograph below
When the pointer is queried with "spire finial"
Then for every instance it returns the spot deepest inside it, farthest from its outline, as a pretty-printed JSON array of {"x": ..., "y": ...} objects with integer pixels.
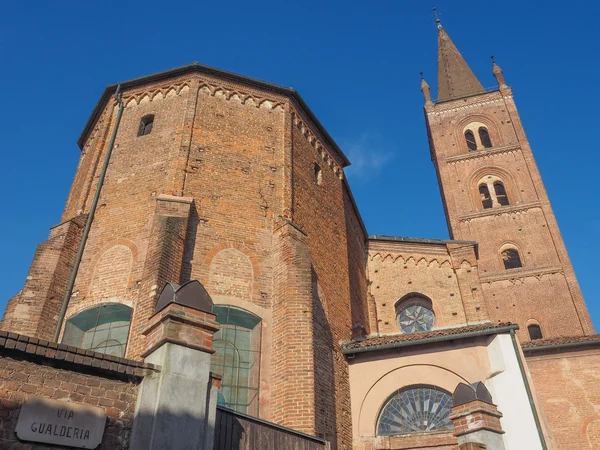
[
  {"x": 422, "y": 77},
  {"x": 426, "y": 91},
  {"x": 437, "y": 18},
  {"x": 497, "y": 72}
]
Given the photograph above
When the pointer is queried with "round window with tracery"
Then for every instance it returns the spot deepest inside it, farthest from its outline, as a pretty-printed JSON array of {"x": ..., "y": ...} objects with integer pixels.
[{"x": 415, "y": 315}]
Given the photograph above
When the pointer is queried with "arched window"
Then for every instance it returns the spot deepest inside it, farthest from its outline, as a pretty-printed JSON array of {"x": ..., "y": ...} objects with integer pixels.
[
  {"x": 146, "y": 124},
  {"x": 511, "y": 259},
  {"x": 414, "y": 313},
  {"x": 104, "y": 329},
  {"x": 415, "y": 409},
  {"x": 535, "y": 332},
  {"x": 486, "y": 199},
  {"x": 501, "y": 196},
  {"x": 484, "y": 137},
  {"x": 237, "y": 358},
  {"x": 470, "y": 138},
  {"x": 318, "y": 175}
]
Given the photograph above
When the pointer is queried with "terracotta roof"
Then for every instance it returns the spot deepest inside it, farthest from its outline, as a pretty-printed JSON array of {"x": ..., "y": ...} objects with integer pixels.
[
  {"x": 455, "y": 77},
  {"x": 406, "y": 339},
  {"x": 73, "y": 355},
  {"x": 561, "y": 341}
]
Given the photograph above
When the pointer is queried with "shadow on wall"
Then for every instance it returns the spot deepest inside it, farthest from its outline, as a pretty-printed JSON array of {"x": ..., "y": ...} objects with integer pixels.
[
  {"x": 190, "y": 245},
  {"x": 325, "y": 408}
]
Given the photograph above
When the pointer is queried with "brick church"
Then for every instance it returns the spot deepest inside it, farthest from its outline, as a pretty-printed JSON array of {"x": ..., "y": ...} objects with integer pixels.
[{"x": 200, "y": 177}]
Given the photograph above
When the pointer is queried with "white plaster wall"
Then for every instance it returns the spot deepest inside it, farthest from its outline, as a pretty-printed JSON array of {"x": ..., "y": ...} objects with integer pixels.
[{"x": 508, "y": 392}]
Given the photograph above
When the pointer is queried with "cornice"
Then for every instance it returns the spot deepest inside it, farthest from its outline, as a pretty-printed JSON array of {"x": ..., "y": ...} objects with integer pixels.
[
  {"x": 440, "y": 109},
  {"x": 498, "y": 211},
  {"x": 517, "y": 274},
  {"x": 505, "y": 149}
]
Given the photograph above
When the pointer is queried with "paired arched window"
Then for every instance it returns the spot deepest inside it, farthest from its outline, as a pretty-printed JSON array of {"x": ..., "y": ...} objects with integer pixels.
[
  {"x": 492, "y": 192},
  {"x": 416, "y": 409},
  {"x": 146, "y": 124},
  {"x": 482, "y": 140},
  {"x": 104, "y": 329},
  {"x": 237, "y": 358},
  {"x": 414, "y": 313},
  {"x": 535, "y": 332},
  {"x": 511, "y": 259}
]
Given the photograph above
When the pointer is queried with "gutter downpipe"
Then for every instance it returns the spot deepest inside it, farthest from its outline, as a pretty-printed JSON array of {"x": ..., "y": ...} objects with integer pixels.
[
  {"x": 90, "y": 218},
  {"x": 528, "y": 389}
]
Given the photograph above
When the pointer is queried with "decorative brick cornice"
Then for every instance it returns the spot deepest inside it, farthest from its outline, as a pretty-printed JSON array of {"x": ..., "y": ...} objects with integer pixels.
[
  {"x": 511, "y": 209},
  {"x": 474, "y": 102},
  {"x": 495, "y": 151},
  {"x": 322, "y": 150},
  {"x": 517, "y": 274},
  {"x": 63, "y": 353}
]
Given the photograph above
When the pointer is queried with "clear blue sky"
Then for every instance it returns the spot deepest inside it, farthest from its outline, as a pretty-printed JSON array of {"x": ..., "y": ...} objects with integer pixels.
[{"x": 356, "y": 64}]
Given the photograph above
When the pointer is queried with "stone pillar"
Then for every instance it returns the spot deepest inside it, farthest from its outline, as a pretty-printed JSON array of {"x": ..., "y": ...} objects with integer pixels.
[
  {"x": 176, "y": 408},
  {"x": 476, "y": 420},
  {"x": 34, "y": 310}
]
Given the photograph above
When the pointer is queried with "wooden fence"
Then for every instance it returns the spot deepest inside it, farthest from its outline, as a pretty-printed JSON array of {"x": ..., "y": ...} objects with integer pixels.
[{"x": 236, "y": 431}]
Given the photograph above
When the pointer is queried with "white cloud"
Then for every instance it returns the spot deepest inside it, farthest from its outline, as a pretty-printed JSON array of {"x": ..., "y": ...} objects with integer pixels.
[{"x": 369, "y": 153}]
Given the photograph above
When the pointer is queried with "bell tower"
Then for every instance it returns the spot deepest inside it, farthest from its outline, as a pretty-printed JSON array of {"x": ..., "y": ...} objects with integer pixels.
[{"x": 493, "y": 193}]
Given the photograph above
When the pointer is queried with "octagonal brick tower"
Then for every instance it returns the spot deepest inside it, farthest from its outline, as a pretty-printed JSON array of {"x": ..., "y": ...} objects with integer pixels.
[
  {"x": 493, "y": 193},
  {"x": 234, "y": 182}
]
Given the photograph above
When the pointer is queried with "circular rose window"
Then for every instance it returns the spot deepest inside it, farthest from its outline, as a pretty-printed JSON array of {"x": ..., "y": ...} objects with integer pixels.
[{"x": 415, "y": 315}]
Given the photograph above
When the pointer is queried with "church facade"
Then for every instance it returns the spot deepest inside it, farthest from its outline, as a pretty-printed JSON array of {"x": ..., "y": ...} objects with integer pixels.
[{"x": 364, "y": 341}]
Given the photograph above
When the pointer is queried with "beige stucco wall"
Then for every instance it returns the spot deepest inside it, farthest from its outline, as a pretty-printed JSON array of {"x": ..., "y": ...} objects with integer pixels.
[{"x": 374, "y": 376}]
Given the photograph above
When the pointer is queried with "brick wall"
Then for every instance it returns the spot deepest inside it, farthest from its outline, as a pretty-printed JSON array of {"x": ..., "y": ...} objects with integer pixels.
[
  {"x": 447, "y": 276},
  {"x": 30, "y": 367},
  {"x": 34, "y": 310},
  {"x": 568, "y": 389}
]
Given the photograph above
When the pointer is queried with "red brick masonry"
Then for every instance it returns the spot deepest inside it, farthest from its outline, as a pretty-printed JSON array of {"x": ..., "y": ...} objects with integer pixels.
[{"x": 33, "y": 367}]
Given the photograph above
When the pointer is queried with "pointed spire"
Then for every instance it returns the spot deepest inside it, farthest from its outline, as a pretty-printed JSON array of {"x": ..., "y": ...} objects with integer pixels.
[
  {"x": 498, "y": 75},
  {"x": 426, "y": 90},
  {"x": 455, "y": 77}
]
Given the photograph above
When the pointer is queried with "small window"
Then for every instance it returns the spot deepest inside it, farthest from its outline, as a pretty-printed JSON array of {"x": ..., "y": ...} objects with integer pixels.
[
  {"x": 146, "y": 125},
  {"x": 470, "y": 138},
  {"x": 486, "y": 199},
  {"x": 535, "y": 332},
  {"x": 484, "y": 136},
  {"x": 103, "y": 329},
  {"x": 318, "y": 175},
  {"x": 501, "y": 196},
  {"x": 511, "y": 259},
  {"x": 415, "y": 314}
]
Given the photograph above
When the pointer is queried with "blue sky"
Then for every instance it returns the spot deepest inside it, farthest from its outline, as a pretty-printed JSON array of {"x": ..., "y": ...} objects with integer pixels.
[{"x": 356, "y": 64}]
